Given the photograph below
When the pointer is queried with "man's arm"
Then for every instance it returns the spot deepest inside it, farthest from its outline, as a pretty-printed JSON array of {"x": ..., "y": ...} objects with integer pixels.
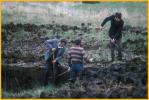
[
  {"x": 60, "y": 56},
  {"x": 106, "y": 20},
  {"x": 48, "y": 47},
  {"x": 49, "y": 43},
  {"x": 83, "y": 52}
]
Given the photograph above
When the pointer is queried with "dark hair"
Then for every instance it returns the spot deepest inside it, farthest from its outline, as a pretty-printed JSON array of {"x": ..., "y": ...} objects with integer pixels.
[
  {"x": 118, "y": 14},
  {"x": 46, "y": 38},
  {"x": 64, "y": 41},
  {"x": 77, "y": 42}
]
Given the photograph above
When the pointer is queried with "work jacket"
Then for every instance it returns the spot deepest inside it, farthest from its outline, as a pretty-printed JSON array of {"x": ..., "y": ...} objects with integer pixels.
[{"x": 54, "y": 43}]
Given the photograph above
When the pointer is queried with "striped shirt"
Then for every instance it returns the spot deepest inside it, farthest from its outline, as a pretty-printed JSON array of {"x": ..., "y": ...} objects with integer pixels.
[{"x": 76, "y": 54}]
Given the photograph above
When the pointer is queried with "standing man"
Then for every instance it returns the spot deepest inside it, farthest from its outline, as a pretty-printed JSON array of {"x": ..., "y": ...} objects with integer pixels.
[
  {"x": 115, "y": 33},
  {"x": 53, "y": 56},
  {"x": 76, "y": 54}
]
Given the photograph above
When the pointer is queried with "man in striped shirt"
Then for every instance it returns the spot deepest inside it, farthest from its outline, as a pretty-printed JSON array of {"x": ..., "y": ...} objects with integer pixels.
[{"x": 76, "y": 54}]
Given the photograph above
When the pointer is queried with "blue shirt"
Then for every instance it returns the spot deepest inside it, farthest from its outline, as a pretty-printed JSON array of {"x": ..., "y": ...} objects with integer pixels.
[{"x": 53, "y": 43}]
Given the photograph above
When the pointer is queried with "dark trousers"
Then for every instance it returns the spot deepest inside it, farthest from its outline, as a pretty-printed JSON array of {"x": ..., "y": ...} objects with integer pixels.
[
  {"x": 117, "y": 45},
  {"x": 75, "y": 71},
  {"x": 50, "y": 72}
]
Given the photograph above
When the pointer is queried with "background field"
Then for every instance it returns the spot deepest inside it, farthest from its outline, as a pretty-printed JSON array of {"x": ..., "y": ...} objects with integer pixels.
[{"x": 73, "y": 13}]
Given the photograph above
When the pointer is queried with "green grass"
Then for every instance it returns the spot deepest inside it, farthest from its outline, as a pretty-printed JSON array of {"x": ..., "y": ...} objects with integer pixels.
[
  {"x": 137, "y": 39},
  {"x": 35, "y": 92},
  {"x": 134, "y": 13}
]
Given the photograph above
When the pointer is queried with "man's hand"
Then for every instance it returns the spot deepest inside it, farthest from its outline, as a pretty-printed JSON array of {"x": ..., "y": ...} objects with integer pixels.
[
  {"x": 53, "y": 49},
  {"x": 68, "y": 68},
  {"x": 112, "y": 40},
  {"x": 99, "y": 28},
  {"x": 53, "y": 61}
]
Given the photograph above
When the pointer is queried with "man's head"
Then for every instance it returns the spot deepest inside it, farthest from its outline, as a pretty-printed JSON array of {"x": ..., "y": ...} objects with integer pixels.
[
  {"x": 77, "y": 42},
  {"x": 118, "y": 16},
  {"x": 63, "y": 42}
]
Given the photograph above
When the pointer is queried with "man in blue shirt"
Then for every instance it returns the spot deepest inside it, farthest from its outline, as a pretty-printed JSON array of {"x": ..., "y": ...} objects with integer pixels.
[{"x": 53, "y": 56}]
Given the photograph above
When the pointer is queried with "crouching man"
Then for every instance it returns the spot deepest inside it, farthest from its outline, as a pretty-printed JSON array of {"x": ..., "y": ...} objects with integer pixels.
[
  {"x": 53, "y": 56},
  {"x": 76, "y": 54}
]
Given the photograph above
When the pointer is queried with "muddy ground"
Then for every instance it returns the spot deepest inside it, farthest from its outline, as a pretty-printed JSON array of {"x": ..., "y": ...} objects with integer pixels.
[{"x": 23, "y": 62}]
